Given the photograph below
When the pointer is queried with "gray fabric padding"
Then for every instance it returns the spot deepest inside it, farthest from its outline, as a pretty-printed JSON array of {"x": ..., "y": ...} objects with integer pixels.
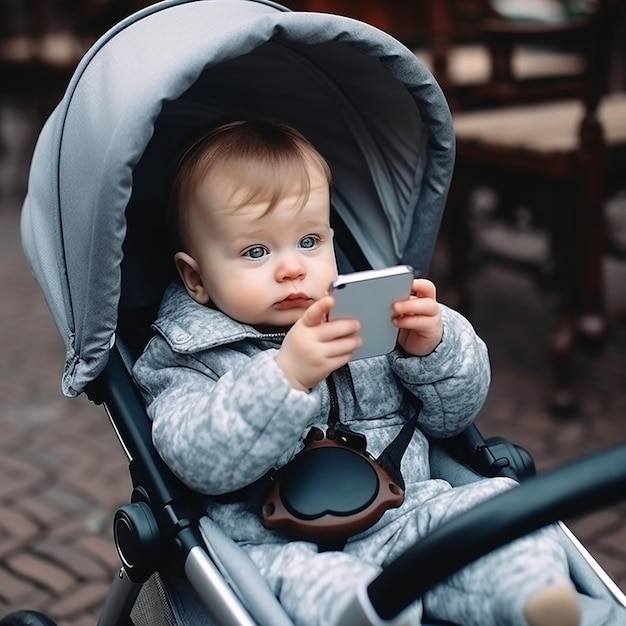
[{"x": 243, "y": 576}]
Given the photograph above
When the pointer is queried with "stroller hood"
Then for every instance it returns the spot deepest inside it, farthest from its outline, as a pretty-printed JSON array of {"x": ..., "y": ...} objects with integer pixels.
[{"x": 93, "y": 221}]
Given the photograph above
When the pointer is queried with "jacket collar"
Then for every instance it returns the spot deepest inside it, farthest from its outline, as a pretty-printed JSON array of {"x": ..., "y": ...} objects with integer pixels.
[{"x": 191, "y": 327}]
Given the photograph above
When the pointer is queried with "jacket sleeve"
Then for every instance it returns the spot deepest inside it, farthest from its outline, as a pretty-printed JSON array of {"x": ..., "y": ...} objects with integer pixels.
[
  {"x": 221, "y": 434},
  {"x": 452, "y": 381}
]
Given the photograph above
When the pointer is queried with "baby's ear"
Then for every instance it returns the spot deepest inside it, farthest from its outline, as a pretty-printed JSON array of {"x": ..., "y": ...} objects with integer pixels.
[{"x": 190, "y": 275}]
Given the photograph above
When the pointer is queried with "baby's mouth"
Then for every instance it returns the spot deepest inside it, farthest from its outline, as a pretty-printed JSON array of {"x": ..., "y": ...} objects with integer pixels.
[{"x": 294, "y": 301}]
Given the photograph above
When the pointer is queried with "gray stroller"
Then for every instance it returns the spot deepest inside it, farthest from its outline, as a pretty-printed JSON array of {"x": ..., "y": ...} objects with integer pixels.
[{"x": 94, "y": 231}]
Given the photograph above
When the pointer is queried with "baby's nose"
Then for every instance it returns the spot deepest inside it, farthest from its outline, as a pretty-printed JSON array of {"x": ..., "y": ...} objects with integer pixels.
[{"x": 290, "y": 268}]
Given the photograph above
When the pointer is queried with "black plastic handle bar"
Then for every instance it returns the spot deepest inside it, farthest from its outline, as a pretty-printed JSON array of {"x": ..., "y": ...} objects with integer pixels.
[{"x": 579, "y": 487}]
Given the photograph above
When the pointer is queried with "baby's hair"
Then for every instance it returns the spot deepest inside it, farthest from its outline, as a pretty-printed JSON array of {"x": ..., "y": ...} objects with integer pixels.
[{"x": 271, "y": 158}]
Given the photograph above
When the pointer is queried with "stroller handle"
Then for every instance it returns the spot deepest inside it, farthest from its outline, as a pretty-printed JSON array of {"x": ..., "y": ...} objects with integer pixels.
[{"x": 581, "y": 486}]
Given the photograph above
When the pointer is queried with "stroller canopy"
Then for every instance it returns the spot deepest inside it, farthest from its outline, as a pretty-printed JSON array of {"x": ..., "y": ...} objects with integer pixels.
[{"x": 93, "y": 223}]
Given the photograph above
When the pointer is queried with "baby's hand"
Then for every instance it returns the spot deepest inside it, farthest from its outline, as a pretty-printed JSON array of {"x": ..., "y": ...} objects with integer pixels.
[
  {"x": 419, "y": 319},
  {"x": 315, "y": 347}
]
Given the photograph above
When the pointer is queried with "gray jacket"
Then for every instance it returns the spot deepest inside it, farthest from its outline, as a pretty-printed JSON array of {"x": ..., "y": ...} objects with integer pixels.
[{"x": 224, "y": 414}]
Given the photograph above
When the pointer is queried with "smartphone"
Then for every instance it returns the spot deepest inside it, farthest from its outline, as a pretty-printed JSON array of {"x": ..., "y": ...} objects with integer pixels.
[{"x": 368, "y": 296}]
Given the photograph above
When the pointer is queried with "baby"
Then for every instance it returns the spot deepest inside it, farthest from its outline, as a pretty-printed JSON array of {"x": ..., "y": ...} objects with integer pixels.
[{"x": 245, "y": 362}]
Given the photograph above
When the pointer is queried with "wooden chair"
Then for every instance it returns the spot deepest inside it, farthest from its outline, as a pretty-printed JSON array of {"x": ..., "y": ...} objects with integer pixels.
[
  {"x": 557, "y": 145},
  {"x": 404, "y": 19},
  {"x": 477, "y": 53},
  {"x": 448, "y": 36}
]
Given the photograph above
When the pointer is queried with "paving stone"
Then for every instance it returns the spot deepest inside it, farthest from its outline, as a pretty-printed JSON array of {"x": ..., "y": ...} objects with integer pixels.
[
  {"x": 88, "y": 596},
  {"x": 36, "y": 507},
  {"x": 15, "y": 529},
  {"x": 614, "y": 566},
  {"x": 596, "y": 525},
  {"x": 82, "y": 564},
  {"x": 12, "y": 587},
  {"x": 102, "y": 548},
  {"x": 46, "y": 574},
  {"x": 19, "y": 475},
  {"x": 615, "y": 541},
  {"x": 35, "y": 599},
  {"x": 87, "y": 619},
  {"x": 71, "y": 529},
  {"x": 65, "y": 500}
]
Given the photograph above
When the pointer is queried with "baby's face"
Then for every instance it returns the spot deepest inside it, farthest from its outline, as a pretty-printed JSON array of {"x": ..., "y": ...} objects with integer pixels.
[{"x": 260, "y": 268}]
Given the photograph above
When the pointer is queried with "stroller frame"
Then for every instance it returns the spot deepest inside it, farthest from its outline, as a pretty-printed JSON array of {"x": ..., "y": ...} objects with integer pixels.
[
  {"x": 95, "y": 304},
  {"x": 136, "y": 530}
]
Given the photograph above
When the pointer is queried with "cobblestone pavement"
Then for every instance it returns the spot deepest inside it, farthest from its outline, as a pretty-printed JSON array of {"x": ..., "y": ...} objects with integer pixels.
[{"x": 63, "y": 474}]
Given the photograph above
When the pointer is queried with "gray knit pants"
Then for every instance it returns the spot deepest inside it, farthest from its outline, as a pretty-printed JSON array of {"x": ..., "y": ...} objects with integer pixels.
[{"x": 315, "y": 587}]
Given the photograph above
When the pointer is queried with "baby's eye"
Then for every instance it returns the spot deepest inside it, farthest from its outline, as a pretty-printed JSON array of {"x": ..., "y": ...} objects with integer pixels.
[
  {"x": 255, "y": 252},
  {"x": 308, "y": 242}
]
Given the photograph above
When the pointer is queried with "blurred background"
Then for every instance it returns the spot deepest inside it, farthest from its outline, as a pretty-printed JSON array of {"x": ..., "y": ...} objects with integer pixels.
[{"x": 533, "y": 251}]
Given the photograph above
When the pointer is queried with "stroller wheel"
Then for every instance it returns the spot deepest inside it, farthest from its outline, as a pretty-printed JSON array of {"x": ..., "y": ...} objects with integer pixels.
[{"x": 27, "y": 618}]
